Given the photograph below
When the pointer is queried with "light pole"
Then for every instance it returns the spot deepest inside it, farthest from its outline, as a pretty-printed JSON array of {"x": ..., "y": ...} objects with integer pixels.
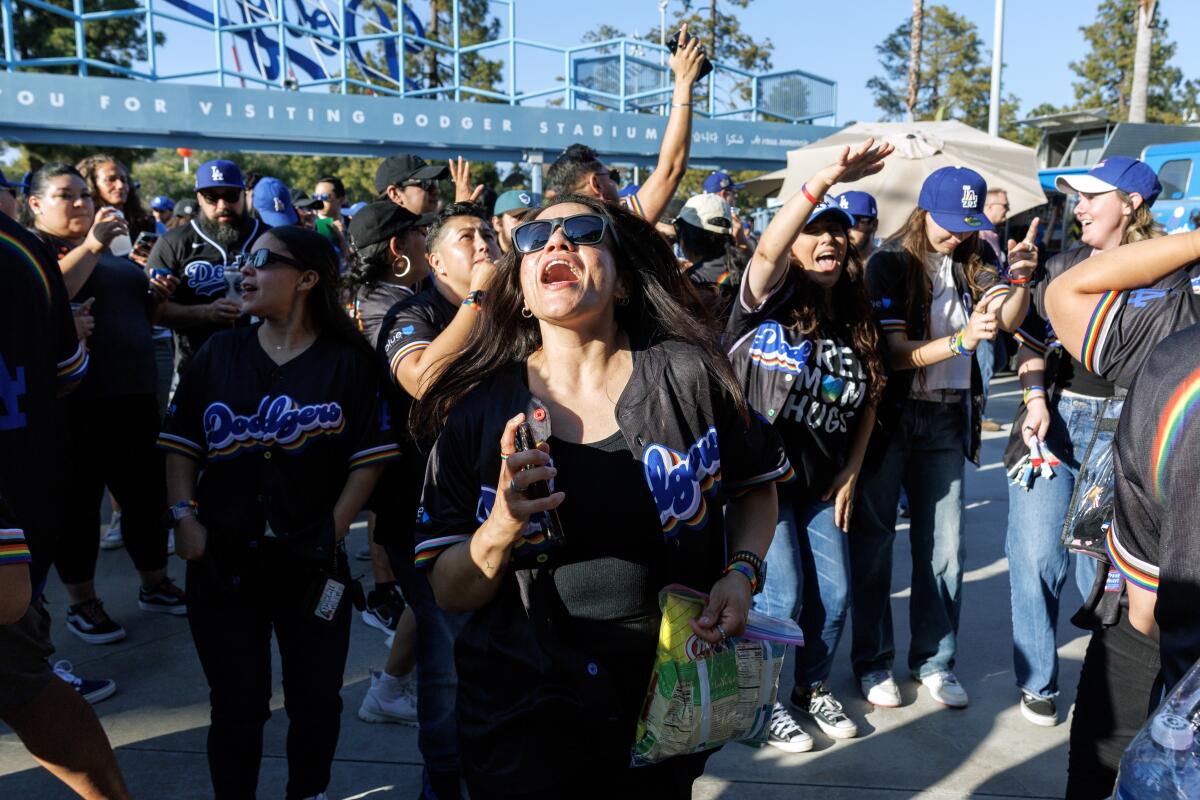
[
  {"x": 662, "y": 42},
  {"x": 997, "y": 65}
]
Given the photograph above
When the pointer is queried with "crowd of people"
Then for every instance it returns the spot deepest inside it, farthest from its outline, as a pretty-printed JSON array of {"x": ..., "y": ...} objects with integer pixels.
[{"x": 247, "y": 370}]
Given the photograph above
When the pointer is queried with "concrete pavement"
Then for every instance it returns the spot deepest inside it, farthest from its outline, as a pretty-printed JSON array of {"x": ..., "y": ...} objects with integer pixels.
[{"x": 158, "y": 719}]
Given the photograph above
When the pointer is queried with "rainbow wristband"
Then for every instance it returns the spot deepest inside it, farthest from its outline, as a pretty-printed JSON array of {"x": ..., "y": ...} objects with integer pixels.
[
  {"x": 1029, "y": 392},
  {"x": 746, "y": 569},
  {"x": 474, "y": 299},
  {"x": 956, "y": 344}
]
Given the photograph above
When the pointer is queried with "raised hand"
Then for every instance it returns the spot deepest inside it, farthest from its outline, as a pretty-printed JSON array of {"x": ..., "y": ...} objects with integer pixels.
[
  {"x": 107, "y": 225},
  {"x": 1023, "y": 257},
  {"x": 687, "y": 59},
  {"x": 855, "y": 163},
  {"x": 460, "y": 173}
]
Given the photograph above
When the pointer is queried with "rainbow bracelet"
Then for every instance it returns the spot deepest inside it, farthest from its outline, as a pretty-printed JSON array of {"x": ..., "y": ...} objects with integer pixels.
[
  {"x": 956, "y": 344},
  {"x": 1027, "y": 393},
  {"x": 746, "y": 569}
]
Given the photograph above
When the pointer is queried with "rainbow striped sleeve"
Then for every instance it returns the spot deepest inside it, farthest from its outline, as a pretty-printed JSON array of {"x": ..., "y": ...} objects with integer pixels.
[
  {"x": 374, "y": 455},
  {"x": 404, "y": 352},
  {"x": 633, "y": 204},
  {"x": 1029, "y": 340},
  {"x": 172, "y": 443},
  {"x": 1133, "y": 569},
  {"x": 893, "y": 326},
  {"x": 428, "y": 550},
  {"x": 13, "y": 547},
  {"x": 1097, "y": 330},
  {"x": 997, "y": 290},
  {"x": 1172, "y": 423},
  {"x": 72, "y": 370}
]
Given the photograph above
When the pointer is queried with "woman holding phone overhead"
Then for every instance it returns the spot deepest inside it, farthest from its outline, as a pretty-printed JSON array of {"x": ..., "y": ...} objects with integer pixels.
[{"x": 644, "y": 436}]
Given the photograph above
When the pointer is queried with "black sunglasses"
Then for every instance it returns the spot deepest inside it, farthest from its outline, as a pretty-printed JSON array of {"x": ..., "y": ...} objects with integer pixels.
[
  {"x": 612, "y": 173},
  {"x": 260, "y": 259},
  {"x": 428, "y": 186},
  {"x": 230, "y": 196},
  {"x": 532, "y": 236}
]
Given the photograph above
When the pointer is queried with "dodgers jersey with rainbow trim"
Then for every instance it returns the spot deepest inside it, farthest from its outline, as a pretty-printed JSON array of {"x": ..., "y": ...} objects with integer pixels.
[
  {"x": 1154, "y": 541},
  {"x": 276, "y": 442}
]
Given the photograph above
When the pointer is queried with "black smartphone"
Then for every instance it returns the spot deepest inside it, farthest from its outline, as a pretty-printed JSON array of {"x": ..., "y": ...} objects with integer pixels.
[
  {"x": 144, "y": 243},
  {"x": 673, "y": 45},
  {"x": 540, "y": 489}
]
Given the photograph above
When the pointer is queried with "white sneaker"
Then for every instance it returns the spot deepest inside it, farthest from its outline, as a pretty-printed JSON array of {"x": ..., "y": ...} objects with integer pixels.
[
  {"x": 390, "y": 700},
  {"x": 945, "y": 688},
  {"x": 880, "y": 689},
  {"x": 784, "y": 733},
  {"x": 112, "y": 539}
]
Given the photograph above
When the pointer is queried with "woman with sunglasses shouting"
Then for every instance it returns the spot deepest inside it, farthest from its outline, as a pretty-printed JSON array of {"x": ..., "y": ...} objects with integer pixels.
[
  {"x": 658, "y": 474},
  {"x": 280, "y": 422}
]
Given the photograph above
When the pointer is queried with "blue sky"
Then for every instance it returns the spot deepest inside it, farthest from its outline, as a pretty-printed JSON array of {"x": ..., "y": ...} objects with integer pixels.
[{"x": 837, "y": 39}]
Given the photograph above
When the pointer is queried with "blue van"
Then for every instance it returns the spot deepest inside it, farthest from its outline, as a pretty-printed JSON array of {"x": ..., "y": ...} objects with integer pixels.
[{"x": 1178, "y": 169}]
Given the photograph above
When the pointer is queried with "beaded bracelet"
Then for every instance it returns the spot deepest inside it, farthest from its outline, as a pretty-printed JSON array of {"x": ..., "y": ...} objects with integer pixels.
[
  {"x": 745, "y": 569},
  {"x": 956, "y": 344},
  {"x": 749, "y": 557},
  {"x": 1025, "y": 395}
]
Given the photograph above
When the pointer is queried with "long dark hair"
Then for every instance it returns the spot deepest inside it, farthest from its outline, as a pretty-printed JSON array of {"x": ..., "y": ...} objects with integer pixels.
[
  {"x": 38, "y": 181},
  {"x": 367, "y": 266},
  {"x": 662, "y": 307},
  {"x": 327, "y": 314},
  {"x": 136, "y": 215},
  {"x": 852, "y": 316}
]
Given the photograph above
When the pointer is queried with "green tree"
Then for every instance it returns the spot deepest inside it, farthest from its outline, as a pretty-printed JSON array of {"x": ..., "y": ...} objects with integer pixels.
[
  {"x": 953, "y": 79},
  {"x": 1106, "y": 73},
  {"x": 38, "y": 33}
]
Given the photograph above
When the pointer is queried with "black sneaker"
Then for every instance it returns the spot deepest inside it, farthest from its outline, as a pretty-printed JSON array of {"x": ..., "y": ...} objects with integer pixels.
[
  {"x": 384, "y": 607},
  {"x": 89, "y": 621},
  {"x": 1039, "y": 710},
  {"x": 826, "y": 711},
  {"x": 785, "y": 734},
  {"x": 91, "y": 690},
  {"x": 163, "y": 598}
]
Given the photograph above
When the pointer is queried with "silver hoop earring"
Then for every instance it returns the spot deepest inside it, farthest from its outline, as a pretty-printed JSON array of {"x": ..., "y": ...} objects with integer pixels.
[
  {"x": 525, "y": 312},
  {"x": 407, "y": 268}
]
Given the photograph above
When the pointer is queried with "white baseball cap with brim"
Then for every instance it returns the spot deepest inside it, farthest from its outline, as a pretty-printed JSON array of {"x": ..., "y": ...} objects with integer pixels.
[{"x": 708, "y": 211}]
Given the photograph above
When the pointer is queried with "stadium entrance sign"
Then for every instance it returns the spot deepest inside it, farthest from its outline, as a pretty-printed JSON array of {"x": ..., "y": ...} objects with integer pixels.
[{"x": 45, "y": 108}]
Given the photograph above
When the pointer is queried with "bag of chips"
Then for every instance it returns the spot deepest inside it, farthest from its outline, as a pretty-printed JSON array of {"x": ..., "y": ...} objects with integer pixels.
[{"x": 702, "y": 696}]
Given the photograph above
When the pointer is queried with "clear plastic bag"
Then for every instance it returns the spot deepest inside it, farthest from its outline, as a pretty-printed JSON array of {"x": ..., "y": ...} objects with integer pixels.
[
  {"x": 700, "y": 696},
  {"x": 1091, "y": 511}
]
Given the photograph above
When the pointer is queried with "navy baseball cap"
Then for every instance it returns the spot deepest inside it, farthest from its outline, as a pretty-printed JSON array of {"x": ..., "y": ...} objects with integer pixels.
[
  {"x": 719, "y": 182},
  {"x": 7, "y": 184},
  {"x": 859, "y": 204},
  {"x": 273, "y": 202},
  {"x": 219, "y": 174},
  {"x": 953, "y": 196},
  {"x": 830, "y": 205},
  {"x": 160, "y": 203},
  {"x": 1115, "y": 172}
]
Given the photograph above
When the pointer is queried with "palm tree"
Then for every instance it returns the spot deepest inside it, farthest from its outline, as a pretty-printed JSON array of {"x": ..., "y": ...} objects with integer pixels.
[
  {"x": 914, "y": 56},
  {"x": 1141, "y": 61}
]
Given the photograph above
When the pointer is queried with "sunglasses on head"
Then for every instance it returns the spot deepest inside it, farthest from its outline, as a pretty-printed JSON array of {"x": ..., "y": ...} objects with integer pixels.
[
  {"x": 212, "y": 196},
  {"x": 532, "y": 236},
  {"x": 261, "y": 259},
  {"x": 612, "y": 173}
]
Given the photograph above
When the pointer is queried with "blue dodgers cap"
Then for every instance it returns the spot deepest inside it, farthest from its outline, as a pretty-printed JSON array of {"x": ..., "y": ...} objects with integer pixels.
[
  {"x": 7, "y": 184},
  {"x": 830, "y": 205},
  {"x": 219, "y": 174},
  {"x": 629, "y": 190},
  {"x": 859, "y": 204},
  {"x": 273, "y": 202},
  {"x": 162, "y": 203},
  {"x": 1115, "y": 172},
  {"x": 953, "y": 196},
  {"x": 719, "y": 182},
  {"x": 354, "y": 209},
  {"x": 515, "y": 200}
]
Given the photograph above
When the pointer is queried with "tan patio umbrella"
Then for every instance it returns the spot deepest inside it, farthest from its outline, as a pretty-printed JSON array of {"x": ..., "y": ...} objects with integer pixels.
[{"x": 921, "y": 148}]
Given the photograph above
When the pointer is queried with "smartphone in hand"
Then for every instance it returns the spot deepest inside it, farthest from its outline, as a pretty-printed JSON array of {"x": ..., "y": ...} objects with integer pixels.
[
  {"x": 540, "y": 489},
  {"x": 673, "y": 45}
]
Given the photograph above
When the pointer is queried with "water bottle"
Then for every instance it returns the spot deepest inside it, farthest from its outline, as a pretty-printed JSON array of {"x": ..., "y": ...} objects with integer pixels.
[
  {"x": 233, "y": 280},
  {"x": 1163, "y": 760},
  {"x": 122, "y": 245}
]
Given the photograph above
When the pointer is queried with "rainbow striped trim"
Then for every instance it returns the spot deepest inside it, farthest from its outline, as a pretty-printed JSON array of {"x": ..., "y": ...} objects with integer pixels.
[
  {"x": 1138, "y": 572},
  {"x": 13, "y": 547},
  {"x": 254, "y": 444},
  {"x": 177, "y": 444},
  {"x": 1172, "y": 423},
  {"x": 74, "y": 368},
  {"x": 1032, "y": 342},
  {"x": 1097, "y": 330},
  {"x": 427, "y": 551},
  {"x": 29, "y": 257},
  {"x": 631, "y": 203},
  {"x": 374, "y": 455},
  {"x": 406, "y": 351},
  {"x": 996, "y": 291},
  {"x": 893, "y": 326}
]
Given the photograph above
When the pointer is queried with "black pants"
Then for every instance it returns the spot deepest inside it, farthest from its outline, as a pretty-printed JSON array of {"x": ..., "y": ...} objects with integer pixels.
[
  {"x": 234, "y": 602},
  {"x": 112, "y": 444},
  {"x": 1113, "y": 702},
  {"x": 669, "y": 780}
]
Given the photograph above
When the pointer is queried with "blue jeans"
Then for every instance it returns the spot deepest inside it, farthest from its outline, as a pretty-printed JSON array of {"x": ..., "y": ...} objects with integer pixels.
[
  {"x": 985, "y": 356},
  {"x": 925, "y": 456},
  {"x": 437, "y": 679},
  {"x": 808, "y": 572},
  {"x": 1037, "y": 562}
]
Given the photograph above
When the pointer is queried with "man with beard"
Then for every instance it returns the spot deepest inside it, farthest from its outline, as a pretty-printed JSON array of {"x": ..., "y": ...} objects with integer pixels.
[{"x": 204, "y": 256}]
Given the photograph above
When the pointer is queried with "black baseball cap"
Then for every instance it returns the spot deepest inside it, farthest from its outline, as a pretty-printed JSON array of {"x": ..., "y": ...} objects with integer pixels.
[
  {"x": 381, "y": 220},
  {"x": 397, "y": 169}
]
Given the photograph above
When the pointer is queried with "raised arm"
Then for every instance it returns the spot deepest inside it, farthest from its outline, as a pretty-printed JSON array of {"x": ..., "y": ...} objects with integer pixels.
[
  {"x": 770, "y": 260},
  {"x": 659, "y": 188},
  {"x": 1073, "y": 297},
  {"x": 77, "y": 265}
]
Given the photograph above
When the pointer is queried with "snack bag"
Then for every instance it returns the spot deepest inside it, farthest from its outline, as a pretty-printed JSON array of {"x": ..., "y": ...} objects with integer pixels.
[{"x": 702, "y": 696}]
